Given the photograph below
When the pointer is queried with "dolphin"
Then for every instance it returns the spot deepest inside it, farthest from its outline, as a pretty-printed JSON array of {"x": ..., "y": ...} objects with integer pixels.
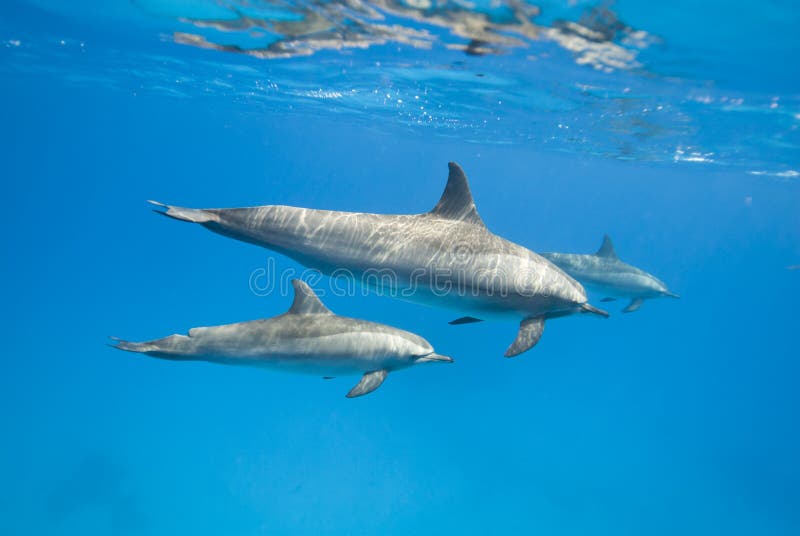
[
  {"x": 308, "y": 338},
  {"x": 446, "y": 256},
  {"x": 606, "y": 273}
]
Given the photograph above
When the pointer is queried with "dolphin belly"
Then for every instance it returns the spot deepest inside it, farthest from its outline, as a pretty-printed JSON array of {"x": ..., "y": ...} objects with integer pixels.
[{"x": 283, "y": 344}]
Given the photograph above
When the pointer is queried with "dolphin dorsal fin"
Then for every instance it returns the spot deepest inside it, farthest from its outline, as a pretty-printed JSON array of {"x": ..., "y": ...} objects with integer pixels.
[
  {"x": 305, "y": 301},
  {"x": 456, "y": 202},
  {"x": 607, "y": 249}
]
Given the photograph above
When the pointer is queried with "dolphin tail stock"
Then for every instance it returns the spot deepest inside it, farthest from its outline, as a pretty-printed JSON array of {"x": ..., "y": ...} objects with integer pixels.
[
  {"x": 128, "y": 346},
  {"x": 194, "y": 215},
  {"x": 155, "y": 348}
]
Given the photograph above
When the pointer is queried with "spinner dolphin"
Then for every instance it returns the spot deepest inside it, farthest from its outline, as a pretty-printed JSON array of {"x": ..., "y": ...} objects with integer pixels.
[
  {"x": 445, "y": 257},
  {"x": 308, "y": 338},
  {"x": 606, "y": 273}
]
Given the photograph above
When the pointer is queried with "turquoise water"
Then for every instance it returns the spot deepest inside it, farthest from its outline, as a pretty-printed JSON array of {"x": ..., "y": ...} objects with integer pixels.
[{"x": 671, "y": 127}]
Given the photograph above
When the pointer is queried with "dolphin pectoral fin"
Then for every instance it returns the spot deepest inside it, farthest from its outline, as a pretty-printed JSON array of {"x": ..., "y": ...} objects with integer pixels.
[
  {"x": 530, "y": 331},
  {"x": 633, "y": 306},
  {"x": 608, "y": 299},
  {"x": 369, "y": 382},
  {"x": 464, "y": 320}
]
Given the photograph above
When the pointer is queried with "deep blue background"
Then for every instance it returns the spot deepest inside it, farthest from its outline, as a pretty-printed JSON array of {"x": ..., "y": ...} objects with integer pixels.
[{"x": 681, "y": 418}]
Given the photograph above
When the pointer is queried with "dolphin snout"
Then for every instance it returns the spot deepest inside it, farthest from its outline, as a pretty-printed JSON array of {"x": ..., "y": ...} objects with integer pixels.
[
  {"x": 433, "y": 357},
  {"x": 587, "y": 308}
]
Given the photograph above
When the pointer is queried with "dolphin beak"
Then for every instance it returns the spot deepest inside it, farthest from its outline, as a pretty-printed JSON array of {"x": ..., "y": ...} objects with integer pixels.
[
  {"x": 433, "y": 357},
  {"x": 586, "y": 308},
  {"x": 672, "y": 295}
]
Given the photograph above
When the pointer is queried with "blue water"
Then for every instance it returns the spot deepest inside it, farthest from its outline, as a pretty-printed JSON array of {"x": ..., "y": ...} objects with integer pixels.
[{"x": 681, "y": 418}]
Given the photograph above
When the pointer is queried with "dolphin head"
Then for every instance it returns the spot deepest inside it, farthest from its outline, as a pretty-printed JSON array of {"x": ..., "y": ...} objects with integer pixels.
[
  {"x": 657, "y": 287},
  {"x": 413, "y": 350},
  {"x": 562, "y": 294}
]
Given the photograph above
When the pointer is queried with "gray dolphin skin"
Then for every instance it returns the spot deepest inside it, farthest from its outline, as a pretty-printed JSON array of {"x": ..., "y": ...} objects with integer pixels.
[
  {"x": 308, "y": 339},
  {"x": 445, "y": 257},
  {"x": 606, "y": 273}
]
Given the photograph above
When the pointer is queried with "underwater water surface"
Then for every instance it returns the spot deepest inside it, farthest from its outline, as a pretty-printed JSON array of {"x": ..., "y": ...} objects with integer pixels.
[{"x": 672, "y": 127}]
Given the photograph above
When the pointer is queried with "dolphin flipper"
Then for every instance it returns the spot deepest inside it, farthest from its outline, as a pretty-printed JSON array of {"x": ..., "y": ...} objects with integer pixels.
[
  {"x": 633, "y": 306},
  {"x": 464, "y": 320},
  {"x": 530, "y": 331},
  {"x": 369, "y": 382}
]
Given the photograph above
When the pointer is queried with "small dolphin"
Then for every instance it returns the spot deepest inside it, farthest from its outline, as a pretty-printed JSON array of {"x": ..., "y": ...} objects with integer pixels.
[
  {"x": 308, "y": 338},
  {"x": 446, "y": 257},
  {"x": 605, "y": 273}
]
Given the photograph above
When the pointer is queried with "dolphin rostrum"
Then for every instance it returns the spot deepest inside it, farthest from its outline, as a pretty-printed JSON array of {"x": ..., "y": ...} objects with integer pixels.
[
  {"x": 446, "y": 256},
  {"x": 606, "y": 273},
  {"x": 308, "y": 338}
]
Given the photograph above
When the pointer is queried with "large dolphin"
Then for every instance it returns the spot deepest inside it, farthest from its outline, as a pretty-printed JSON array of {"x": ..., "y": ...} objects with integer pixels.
[
  {"x": 446, "y": 256},
  {"x": 607, "y": 274},
  {"x": 308, "y": 338}
]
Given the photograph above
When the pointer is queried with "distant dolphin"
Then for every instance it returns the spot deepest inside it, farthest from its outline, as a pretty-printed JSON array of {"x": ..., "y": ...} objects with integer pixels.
[
  {"x": 308, "y": 338},
  {"x": 446, "y": 256},
  {"x": 605, "y": 273}
]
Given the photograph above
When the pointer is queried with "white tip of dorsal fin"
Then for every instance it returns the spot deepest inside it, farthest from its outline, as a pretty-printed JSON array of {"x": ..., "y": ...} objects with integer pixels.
[
  {"x": 607, "y": 249},
  {"x": 456, "y": 202},
  {"x": 305, "y": 301}
]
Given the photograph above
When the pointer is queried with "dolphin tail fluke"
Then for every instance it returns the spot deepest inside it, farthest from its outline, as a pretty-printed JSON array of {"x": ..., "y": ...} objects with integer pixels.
[
  {"x": 194, "y": 215},
  {"x": 369, "y": 382},
  {"x": 530, "y": 331},
  {"x": 128, "y": 346},
  {"x": 160, "y": 348}
]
